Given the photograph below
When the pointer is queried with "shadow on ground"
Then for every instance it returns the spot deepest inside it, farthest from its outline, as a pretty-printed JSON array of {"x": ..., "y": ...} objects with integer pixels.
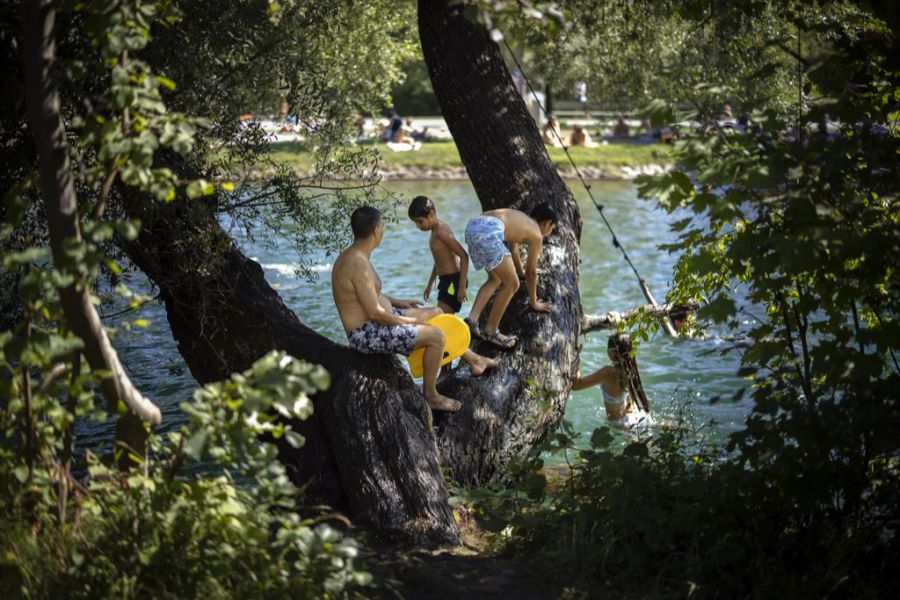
[{"x": 450, "y": 575}]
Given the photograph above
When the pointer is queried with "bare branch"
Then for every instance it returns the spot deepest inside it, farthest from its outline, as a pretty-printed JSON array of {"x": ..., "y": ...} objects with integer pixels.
[{"x": 609, "y": 320}]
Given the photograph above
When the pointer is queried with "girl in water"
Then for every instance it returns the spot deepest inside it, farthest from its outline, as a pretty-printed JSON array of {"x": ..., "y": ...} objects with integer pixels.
[{"x": 620, "y": 383}]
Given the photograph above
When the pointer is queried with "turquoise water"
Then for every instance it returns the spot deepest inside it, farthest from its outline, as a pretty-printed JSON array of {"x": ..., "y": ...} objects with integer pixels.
[{"x": 675, "y": 372}]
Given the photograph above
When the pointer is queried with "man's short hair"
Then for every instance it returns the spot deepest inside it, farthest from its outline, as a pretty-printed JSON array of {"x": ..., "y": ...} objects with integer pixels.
[
  {"x": 364, "y": 220},
  {"x": 420, "y": 207},
  {"x": 542, "y": 212}
]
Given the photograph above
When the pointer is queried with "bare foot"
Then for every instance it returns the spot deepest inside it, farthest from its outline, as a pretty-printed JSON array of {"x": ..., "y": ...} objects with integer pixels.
[
  {"x": 439, "y": 402},
  {"x": 479, "y": 364}
]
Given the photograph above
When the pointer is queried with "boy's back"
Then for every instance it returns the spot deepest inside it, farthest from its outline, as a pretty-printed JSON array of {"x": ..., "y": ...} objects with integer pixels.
[
  {"x": 445, "y": 260},
  {"x": 519, "y": 228}
]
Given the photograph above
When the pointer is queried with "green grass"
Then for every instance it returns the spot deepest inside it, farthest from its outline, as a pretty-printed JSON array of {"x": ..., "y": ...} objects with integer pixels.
[{"x": 437, "y": 155}]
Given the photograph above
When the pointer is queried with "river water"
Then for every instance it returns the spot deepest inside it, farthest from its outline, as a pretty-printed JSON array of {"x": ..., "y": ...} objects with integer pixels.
[{"x": 679, "y": 376}]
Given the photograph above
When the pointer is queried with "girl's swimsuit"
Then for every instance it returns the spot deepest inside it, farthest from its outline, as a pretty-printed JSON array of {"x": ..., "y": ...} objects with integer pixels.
[
  {"x": 630, "y": 420},
  {"x": 636, "y": 419},
  {"x": 484, "y": 237},
  {"x": 610, "y": 399}
]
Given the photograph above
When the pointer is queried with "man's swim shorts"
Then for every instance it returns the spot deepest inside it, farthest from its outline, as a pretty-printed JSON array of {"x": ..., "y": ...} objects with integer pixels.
[
  {"x": 378, "y": 338},
  {"x": 484, "y": 237},
  {"x": 448, "y": 285}
]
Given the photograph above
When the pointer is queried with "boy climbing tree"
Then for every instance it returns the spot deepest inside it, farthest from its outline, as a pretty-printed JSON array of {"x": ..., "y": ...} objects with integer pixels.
[{"x": 487, "y": 236}]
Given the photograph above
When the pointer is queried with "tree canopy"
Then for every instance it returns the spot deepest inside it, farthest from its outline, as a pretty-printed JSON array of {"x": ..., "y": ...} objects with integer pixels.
[{"x": 122, "y": 145}]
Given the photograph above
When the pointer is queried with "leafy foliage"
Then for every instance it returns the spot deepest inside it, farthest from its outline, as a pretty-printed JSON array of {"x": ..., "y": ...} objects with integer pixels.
[
  {"x": 694, "y": 54},
  {"x": 790, "y": 231},
  {"x": 330, "y": 61},
  {"x": 229, "y": 530},
  {"x": 670, "y": 516},
  {"x": 209, "y": 511}
]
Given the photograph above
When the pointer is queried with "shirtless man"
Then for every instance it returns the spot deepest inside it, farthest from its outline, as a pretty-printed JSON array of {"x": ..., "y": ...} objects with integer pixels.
[
  {"x": 379, "y": 324},
  {"x": 485, "y": 237}
]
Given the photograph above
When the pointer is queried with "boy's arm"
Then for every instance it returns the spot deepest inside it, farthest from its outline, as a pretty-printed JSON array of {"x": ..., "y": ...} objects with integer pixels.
[
  {"x": 430, "y": 283},
  {"x": 534, "y": 250},
  {"x": 517, "y": 260},
  {"x": 445, "y": 234}
]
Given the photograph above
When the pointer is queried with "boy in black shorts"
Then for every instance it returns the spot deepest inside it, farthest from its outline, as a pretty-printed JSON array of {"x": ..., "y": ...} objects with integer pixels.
[
  {"x": 451, "y": 261},
  {"x": 451, "y": 268}
]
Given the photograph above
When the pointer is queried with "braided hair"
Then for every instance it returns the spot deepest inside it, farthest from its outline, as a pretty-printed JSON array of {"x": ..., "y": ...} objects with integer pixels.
[{"x": 619, "y": 346}]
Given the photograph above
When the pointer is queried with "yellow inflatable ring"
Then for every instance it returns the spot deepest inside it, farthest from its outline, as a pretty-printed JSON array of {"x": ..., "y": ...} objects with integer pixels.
[{"x": 456, "y": 342}]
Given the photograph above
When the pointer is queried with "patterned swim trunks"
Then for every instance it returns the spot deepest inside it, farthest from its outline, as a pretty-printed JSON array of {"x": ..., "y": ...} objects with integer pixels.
[
  {"x": 377, "y": 338},
  {"x": 484, "y": 237}
]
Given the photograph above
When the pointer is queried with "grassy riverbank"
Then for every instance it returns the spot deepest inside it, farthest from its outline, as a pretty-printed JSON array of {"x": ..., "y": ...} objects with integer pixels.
[{"x": 443, "y": 155}]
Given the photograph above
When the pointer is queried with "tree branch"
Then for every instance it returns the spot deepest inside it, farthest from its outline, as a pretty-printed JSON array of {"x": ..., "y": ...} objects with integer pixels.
[
  {"x": 61, "y": 203},
  {"x": 609, "y": 320}
]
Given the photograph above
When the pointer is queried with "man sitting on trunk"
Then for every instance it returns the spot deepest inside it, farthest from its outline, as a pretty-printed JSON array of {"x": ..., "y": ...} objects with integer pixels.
[{"x": 379, "y": 324}]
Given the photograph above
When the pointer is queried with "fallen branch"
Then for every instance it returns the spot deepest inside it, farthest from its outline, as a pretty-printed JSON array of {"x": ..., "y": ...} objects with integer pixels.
[{"x": 609, "y": 320}]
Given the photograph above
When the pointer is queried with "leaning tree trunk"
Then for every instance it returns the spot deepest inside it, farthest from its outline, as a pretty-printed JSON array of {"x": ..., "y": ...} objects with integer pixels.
[
  {"x": 369, "y": 449},
  {"x": 509, "y": 410}
]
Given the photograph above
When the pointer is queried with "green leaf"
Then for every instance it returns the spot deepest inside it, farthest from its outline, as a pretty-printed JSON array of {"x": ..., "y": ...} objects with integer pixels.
[
  {"x": 636, "y": 449},
  {"x": 601, "y": 437},
  {"x": 166, "y": 82},
  {"x": 719, "y": 309},
  {"x": 200, "y": 187},
  {"x": 294, "y": 439},
  {"x": 196, "y": 444}
]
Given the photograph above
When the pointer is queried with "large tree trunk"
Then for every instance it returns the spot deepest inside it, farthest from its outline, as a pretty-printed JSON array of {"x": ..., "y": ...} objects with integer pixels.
[
  {"x": 509, "y": 410},
  {"x": 369, "y": 449}
]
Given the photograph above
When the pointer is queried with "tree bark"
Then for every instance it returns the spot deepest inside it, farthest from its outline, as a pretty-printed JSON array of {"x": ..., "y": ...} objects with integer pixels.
[
  {"x": 369, "y": 450},
  {"x": 61, "y": 202},
  {"x": 509, "y": 410}
]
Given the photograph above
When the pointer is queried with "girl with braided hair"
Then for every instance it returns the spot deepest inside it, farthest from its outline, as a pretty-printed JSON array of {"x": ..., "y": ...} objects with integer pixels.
[{"x": 624, "y": 399}]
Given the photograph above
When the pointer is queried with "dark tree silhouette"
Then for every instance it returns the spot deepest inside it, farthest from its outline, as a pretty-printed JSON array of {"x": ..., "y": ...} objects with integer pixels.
[{"x": 511, "y": 409}]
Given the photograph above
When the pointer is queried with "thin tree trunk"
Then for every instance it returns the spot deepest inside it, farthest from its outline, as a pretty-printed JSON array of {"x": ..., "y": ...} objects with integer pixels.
[
  {"x": 509, "y": 410},
  {"x": 61, "y": 204}
]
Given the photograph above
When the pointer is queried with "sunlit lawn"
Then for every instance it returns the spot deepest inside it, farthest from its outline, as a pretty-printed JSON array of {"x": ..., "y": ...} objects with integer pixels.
[{"x": 436, "y": 155}]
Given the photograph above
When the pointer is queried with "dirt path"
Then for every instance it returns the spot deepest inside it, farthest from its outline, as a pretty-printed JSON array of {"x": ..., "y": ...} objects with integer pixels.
[{"x": 454, "y": 575}]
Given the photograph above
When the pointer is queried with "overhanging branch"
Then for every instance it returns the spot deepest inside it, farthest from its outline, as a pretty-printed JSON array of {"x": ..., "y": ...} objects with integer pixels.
[{"x": 609, "y": 320}]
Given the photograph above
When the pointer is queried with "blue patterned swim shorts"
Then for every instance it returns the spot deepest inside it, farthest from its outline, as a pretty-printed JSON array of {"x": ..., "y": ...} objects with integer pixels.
[
  {"x": 378, "y": 338},
  {"x": 484, "y": 237}
]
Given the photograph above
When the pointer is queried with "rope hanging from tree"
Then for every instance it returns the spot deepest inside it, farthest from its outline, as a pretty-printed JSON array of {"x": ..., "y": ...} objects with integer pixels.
[{"x": 615, "y": 240}]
